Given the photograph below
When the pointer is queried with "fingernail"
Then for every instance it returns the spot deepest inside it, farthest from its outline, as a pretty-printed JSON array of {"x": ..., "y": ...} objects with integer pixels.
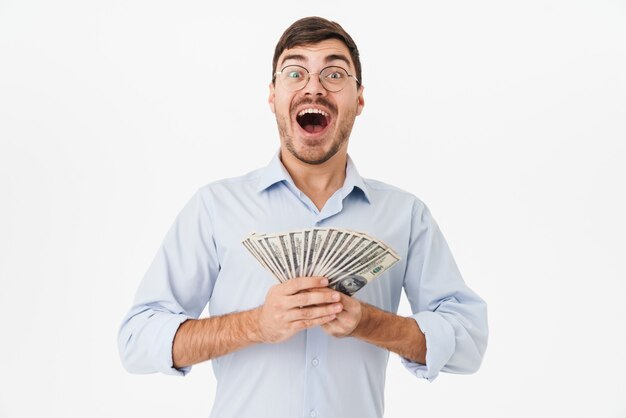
[
  {"x": 324, "y": 282},
  {"x": 335, "y": 296}
]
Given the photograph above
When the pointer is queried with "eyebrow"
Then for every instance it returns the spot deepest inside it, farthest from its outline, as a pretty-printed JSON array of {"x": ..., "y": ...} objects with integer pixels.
[
  {"x": 338, "y": 57},
  {"x": 329, "y": 58}
]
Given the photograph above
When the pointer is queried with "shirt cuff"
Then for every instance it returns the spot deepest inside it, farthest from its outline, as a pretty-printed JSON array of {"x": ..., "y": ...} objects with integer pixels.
[
  {"x": 163, "y": 352},
  {"x": 440, "y": 345}
]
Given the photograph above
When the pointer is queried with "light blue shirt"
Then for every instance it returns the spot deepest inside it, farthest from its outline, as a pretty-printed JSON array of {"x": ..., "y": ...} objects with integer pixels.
[{"x": 202, "y": 260}]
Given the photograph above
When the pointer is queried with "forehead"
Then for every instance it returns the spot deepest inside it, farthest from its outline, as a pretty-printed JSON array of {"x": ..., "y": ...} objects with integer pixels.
[{"x": 322, "y": 52}]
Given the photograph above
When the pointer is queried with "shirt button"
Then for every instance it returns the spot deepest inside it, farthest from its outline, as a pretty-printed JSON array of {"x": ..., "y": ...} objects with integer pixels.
[
  {"x": 315, "y": 361},
  {"x": 313, "y": 413}
]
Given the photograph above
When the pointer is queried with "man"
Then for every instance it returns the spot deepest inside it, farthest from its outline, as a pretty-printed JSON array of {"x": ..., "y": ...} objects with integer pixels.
[{"x": 299, "y": 348}]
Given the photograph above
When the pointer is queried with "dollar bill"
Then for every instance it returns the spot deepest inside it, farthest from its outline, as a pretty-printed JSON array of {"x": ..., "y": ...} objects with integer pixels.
[
  {"x": 351, "y": 282},
  {"x": 349, "y": 259}
]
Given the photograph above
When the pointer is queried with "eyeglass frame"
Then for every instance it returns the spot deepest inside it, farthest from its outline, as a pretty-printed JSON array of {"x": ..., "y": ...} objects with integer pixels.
[{"x": 319, "y": 76}]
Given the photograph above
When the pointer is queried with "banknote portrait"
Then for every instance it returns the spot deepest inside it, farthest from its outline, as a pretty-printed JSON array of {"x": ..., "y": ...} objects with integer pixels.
[{"x": 351, "y": 284}]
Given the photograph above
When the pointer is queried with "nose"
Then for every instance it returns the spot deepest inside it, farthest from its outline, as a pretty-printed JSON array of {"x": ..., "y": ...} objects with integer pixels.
[{"x": 314, "y": 86}]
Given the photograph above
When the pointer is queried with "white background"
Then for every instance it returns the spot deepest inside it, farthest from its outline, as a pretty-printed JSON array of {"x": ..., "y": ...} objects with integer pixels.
[{"x": 507, "y": 118}]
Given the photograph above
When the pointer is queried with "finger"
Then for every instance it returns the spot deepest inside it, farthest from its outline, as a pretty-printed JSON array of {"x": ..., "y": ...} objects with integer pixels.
[
  {"x": 344, "y": 323},
  {"x": 309, "y": 323},
  {"x": 313, "y": 313},
  {"x": 312, "y": 298},
  {"x": 321, "y": 289},
  {"x": 298, "y": 284},
  {"x": 330, "y": 327},
  {"x": 348, "y": 301}
]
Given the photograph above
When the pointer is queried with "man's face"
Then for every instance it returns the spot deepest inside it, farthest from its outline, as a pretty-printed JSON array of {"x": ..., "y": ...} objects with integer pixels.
[{"x": 315, "y": 139}]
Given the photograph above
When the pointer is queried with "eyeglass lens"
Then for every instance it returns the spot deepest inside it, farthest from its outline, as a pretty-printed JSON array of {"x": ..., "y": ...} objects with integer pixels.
[{"x": 295, "y": 77}]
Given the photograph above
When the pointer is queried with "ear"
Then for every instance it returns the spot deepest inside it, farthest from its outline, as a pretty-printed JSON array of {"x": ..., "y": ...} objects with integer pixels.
[
  {"x": 360, "y": 101},
  {"x": 270, "y": 99}
]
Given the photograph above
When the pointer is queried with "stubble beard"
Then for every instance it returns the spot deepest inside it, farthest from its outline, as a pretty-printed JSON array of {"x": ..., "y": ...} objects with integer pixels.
[{"x": 311, "y": 155}]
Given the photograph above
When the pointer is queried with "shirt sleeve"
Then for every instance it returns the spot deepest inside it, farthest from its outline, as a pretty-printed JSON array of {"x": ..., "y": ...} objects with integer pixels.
[
  {"x": 452, "y": 317},
  {"x": 176, "y": 287}
]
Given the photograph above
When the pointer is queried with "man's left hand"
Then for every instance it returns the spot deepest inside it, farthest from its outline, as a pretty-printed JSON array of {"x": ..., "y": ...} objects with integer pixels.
[{"x": 347, "y": 320}]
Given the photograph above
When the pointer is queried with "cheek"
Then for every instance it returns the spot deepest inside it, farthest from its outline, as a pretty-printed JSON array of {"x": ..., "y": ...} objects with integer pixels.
[
  {"x": 278, "y": 101},
  {"x": 281, "y": 102},
  {"x": 351, "y": 105},
  {"x": 281, "y": 106}
]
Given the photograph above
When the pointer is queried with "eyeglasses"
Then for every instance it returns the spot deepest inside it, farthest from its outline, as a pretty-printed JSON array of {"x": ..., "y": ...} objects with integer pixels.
[{"x": 295, "y": 77}]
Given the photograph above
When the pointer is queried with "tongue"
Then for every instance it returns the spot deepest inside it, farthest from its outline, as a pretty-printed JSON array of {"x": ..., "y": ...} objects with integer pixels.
[{"x": 313, "y": 128}]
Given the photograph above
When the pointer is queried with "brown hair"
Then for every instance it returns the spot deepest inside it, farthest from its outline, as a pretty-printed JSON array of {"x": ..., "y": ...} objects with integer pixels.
[{"x": 311, "y": 30}]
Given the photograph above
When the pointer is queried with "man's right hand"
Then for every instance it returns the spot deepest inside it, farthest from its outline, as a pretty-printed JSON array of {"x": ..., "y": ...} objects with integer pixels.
[{"x": 297, "y": 304}]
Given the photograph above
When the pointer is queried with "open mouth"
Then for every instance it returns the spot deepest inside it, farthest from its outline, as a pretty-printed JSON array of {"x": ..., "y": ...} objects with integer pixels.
[{"x": 313, "y": 120}]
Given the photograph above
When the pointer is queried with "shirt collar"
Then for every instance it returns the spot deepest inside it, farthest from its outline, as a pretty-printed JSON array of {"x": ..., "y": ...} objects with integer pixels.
[
  {"x": 275, "y": 172},
  {"x": 354, "y": 179}
]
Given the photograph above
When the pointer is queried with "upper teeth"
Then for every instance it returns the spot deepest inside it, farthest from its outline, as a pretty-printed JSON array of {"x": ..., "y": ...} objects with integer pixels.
[{"x": 305, "y": 111}]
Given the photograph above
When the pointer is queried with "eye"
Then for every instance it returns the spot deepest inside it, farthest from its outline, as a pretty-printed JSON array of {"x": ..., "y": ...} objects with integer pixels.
[
  {"x": 294, "y": 74},
  {"x": 335, "y": 75}
]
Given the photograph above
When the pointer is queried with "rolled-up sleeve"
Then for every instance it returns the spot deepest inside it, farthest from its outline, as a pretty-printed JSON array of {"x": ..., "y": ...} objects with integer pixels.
[
  {"x": 176, "y": 287},
  {"x": 452, "y": 317}
]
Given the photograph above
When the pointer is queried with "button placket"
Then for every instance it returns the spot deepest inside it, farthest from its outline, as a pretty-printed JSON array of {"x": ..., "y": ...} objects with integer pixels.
[{"x": 316, "y": 347}]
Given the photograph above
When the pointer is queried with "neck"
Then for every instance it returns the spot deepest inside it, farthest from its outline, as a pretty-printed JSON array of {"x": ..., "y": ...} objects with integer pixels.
[{"x": 320, "y": 181}]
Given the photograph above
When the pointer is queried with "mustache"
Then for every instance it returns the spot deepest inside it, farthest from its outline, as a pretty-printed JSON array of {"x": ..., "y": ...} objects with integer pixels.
[{"x": 321, "y": 101}]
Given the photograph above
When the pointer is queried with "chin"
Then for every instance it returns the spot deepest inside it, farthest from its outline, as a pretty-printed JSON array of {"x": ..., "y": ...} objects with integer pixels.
[
  {"x": 313, "y": 155},
  {"x": 312, "y": 148}
]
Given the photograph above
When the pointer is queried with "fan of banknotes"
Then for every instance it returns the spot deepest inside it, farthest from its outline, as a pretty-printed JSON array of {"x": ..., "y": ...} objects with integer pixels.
[{"x": 349, "y": 259}]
